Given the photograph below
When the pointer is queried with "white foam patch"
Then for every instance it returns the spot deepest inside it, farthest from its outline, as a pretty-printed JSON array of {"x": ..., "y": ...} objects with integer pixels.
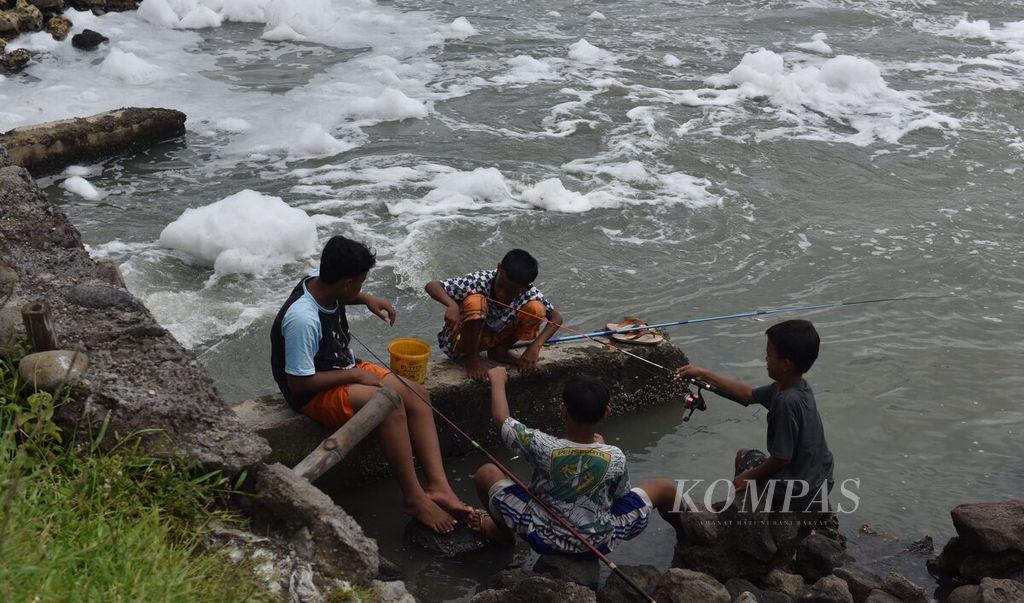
[
  {"x": 247, "y": 232},
  {"x": 817, "y": 44},
  {"x": 597, "y": 16},
  {"x": 457, "y": 191},
  {"x": 585, "y": 52},
  {"x": 527, "y": 70},
  {"x": 233, "y": 124},
  {"x": 78, "y": 170},
  {"x": 281, "y": 33},
  {"x": 671, "y": 60},
  {"x": 129, "y": 68},
  {"x": 462, "y": 28},
  {"x": 81, "y": 187}
]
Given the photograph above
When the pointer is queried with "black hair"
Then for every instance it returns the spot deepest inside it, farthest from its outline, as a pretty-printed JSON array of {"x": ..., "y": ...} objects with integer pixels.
[
  {"x": 796, "y": 341},
  {"x": 585, "y": 398},
  {"x": 344, "y": 258},
  {"x": 520, "y": 267}
]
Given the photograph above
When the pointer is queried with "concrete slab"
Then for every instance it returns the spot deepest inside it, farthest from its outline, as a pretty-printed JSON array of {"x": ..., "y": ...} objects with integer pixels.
[{"x": 534, "y": 398}]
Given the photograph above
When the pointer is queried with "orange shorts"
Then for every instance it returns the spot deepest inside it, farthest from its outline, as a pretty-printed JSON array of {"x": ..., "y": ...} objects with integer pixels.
[
  {"x": 525, "y": 326},
  {"x": 332, "y": 407}
]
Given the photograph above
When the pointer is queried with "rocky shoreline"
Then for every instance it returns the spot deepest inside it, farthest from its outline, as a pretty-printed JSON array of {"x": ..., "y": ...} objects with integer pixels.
[{"x": 135, "y": 375}]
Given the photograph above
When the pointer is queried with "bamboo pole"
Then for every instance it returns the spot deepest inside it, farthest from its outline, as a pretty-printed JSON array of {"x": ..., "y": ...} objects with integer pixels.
[
  {"x": 341, "y": 442},
  {"x": 39, "y": 326}
]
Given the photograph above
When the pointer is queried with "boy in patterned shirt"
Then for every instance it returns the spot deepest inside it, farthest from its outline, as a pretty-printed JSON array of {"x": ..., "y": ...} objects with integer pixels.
[
  {"x": 491, "y": 310},
  {"x": 579, "y": 476}
]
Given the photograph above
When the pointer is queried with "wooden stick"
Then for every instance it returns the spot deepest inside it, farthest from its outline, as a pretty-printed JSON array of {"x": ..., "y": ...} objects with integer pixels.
[
  {"x": 341, "y": 442},
  {"x": 39, "y": 326}
]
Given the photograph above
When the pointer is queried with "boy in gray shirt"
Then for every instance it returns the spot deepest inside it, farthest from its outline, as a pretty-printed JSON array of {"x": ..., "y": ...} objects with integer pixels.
[{"x": 796, "y": 474}]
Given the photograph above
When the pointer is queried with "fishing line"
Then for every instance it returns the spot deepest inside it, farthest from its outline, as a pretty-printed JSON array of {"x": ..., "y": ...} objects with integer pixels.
[{"x": 515, "y": 479}]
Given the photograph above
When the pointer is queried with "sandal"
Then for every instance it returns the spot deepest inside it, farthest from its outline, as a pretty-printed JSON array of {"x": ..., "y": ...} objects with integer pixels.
[{"x": 627, "y": 322}]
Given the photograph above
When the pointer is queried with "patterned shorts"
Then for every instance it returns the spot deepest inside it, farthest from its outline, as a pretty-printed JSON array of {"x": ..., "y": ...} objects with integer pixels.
[{"x": 511, "y": 505}]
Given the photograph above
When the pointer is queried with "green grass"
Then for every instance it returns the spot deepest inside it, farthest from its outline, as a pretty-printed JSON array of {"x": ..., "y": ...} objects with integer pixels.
[{"x": 81, "y": 524}]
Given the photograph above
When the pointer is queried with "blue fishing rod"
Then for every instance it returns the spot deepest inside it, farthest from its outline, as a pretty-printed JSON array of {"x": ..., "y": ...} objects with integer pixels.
[{"x": 753, "y": 313}]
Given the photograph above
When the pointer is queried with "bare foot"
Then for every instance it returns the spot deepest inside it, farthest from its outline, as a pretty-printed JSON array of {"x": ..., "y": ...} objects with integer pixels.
[
  {"x": 426, "y": 511},
  {"x": 449, "y": 501},
  {"x": 474, "y": 370},
  {"x": 503, "y": 355},
  {"x": 483, "y": 524}
]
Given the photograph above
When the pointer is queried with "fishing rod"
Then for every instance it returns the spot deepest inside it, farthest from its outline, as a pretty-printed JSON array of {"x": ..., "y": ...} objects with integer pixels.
[
  {"x": 754, "y": 313},
  {"x": 512, "y": 476}
]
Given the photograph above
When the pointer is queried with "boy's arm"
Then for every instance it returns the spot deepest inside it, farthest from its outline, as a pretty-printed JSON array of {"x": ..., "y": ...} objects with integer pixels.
[
  {"x": 301, "y": 337},
  {"x": 762, "y": 472},
  {"x": 528, "y": 360},
  {"x": 499, "y": 401},
  {"x": 743, "y": 392},
  {"x": 325, "y": 380},
  {"x": 379, "y": 306},
  {"x": 453, "y": 312}
]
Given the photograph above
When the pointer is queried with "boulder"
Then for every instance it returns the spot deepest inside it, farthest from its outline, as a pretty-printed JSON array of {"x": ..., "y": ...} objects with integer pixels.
[
  {"x": 739, "y": 586},
  {"x": 615, "y": 589},
  {"x": 745, "y": 597},
  {"x": 118, "y": 6},
  {"x": 906, "y": 591},
  {"x": 48, "y": 8},
  {"x": 1000, "y": 591},
  {"x": 5, "y": 157},
  {"x": 521, "y": 586},
  {"x": 817, "y": 556},
  {"x": 992, "y": 527},
  {"x": 29, "y": 17},
  {"x": 9, "y": 25},
  {"x": 462, "y": 540},
  {"x": 286, "y": 503},
  {"x": 860, "y": 579},
  {"x": 880, "y": 596},
  {"x": 684, "y": 586},
  {"x": 969, "y": 593},
  {"x": 586, "y": 572},
  {"x": 15, "y": 60},
  {"x": 829, "y": 589},
  {"x": 88, "y": 39},
  {"x": 791, "y": 585},
  {"x": 58, "y": 27},
  {"x": 48, "y": 371},
  {"x": 959, "y": 560}
]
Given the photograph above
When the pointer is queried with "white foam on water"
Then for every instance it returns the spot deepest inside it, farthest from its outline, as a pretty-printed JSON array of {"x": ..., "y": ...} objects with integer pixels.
[
  {"x": 458, "y": 191},
  {"x": 584, "y": 52},
  {"x": 817, "y": 44},
  {"x": 233, "y": 124},
  {"x": 80, "y": 170},
  {"x": 597, "y": 16},
  {"x": 247, "y": 232},
  {"x": 525, "y": 69},
  {"x": 671, "y": 60},
  {"x": 82, "y": 187}
]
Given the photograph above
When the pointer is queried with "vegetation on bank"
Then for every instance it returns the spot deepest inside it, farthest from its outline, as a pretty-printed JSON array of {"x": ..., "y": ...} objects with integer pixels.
[{"x": 78, "y": 523}]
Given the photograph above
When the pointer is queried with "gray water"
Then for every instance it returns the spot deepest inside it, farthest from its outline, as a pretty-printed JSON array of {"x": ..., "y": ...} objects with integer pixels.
[{"x": 799, "y": 199}]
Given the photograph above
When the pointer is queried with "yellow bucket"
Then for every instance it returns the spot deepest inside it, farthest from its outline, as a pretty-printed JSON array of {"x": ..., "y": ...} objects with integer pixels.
[{"x": 409, "y": 358}]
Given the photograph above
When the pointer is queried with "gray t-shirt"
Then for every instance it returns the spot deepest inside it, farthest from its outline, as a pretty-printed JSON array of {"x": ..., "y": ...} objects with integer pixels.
[{"x": 795, "y": 432}]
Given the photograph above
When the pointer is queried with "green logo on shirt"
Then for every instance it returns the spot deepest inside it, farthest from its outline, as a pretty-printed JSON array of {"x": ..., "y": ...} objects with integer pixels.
[{"x": 577, "y": 472}]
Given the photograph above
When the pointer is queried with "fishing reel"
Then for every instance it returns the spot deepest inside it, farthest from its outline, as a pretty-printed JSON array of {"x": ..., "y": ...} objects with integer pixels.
[{"x": 693, "y": 401}]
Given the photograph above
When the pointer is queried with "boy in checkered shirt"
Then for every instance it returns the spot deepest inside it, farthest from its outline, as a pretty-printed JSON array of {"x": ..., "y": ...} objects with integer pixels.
[{"x": 491, "y": 310}]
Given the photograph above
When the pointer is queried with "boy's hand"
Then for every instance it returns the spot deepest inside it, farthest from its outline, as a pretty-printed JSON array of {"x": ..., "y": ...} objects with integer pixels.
[
  {"x": 364, "y": 377},
  {"x": 498, "y": 376},
  {"x": 381, "y": 308},
  {"x": 689, "y": 371},
  {"x": 528, "y": 359},
  {"x": 598, "y": 438},
  {"x": 452, "y": 318}
]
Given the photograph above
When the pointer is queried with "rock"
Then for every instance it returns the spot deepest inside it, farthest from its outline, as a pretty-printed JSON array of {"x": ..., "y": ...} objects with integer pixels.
[
  {"x": 387, "y": 571},
  {"x": 48, "y": 8},
  {"x": 391, "y": 592},
  {"x": 992, "y": 527},
  {"x": 586, "y": 572},
  {"x": 5, "y": 158},
  {"x": 111, "y": 273},
  {"x": 860, "y": 579},
  {"x": 58, "y": 27},
  {"x": 10, "y": 26},
  {"x": 537, "y": 589},
  {"x": 970, "y": 593},
  {"x": 47, "y": 371},
  {"x": 12, "y": 327},
  {"x": 8, "y": 277},
  {"x": 85, "y": 4},
  {"x": 903, "y": 589},
  {"x": 285, "y": 501},
  {"x": 880, "y": 596},
  {"x": 992, "y": 590},
  {"x": 739, "y": 586},
  {"x": 959, "y": 561},
  {"x": 684, "y": 586},
  {"x": 615, "y": 589},
  {"x": 118, "y": 6},
  {"x": 784, "y": 582},
  {"x": 746, "y": 597},
  {"x": 3, "y": 46},
  {"x": 817, "y": 557},
  {"x": 462, "y": 540},
  {"x": 15, "y": 60},
  {"x": 100, "y": 296},
  {"x": 924, "y": 545},
  {"x": 88, "y": 39},
  {"x": 29, "y": 17},
  {"x": 829, "y": 589}
]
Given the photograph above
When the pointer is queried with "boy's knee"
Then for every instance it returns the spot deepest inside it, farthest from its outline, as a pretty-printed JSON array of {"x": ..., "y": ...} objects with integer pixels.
[{"x": 487, "y": 474}]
